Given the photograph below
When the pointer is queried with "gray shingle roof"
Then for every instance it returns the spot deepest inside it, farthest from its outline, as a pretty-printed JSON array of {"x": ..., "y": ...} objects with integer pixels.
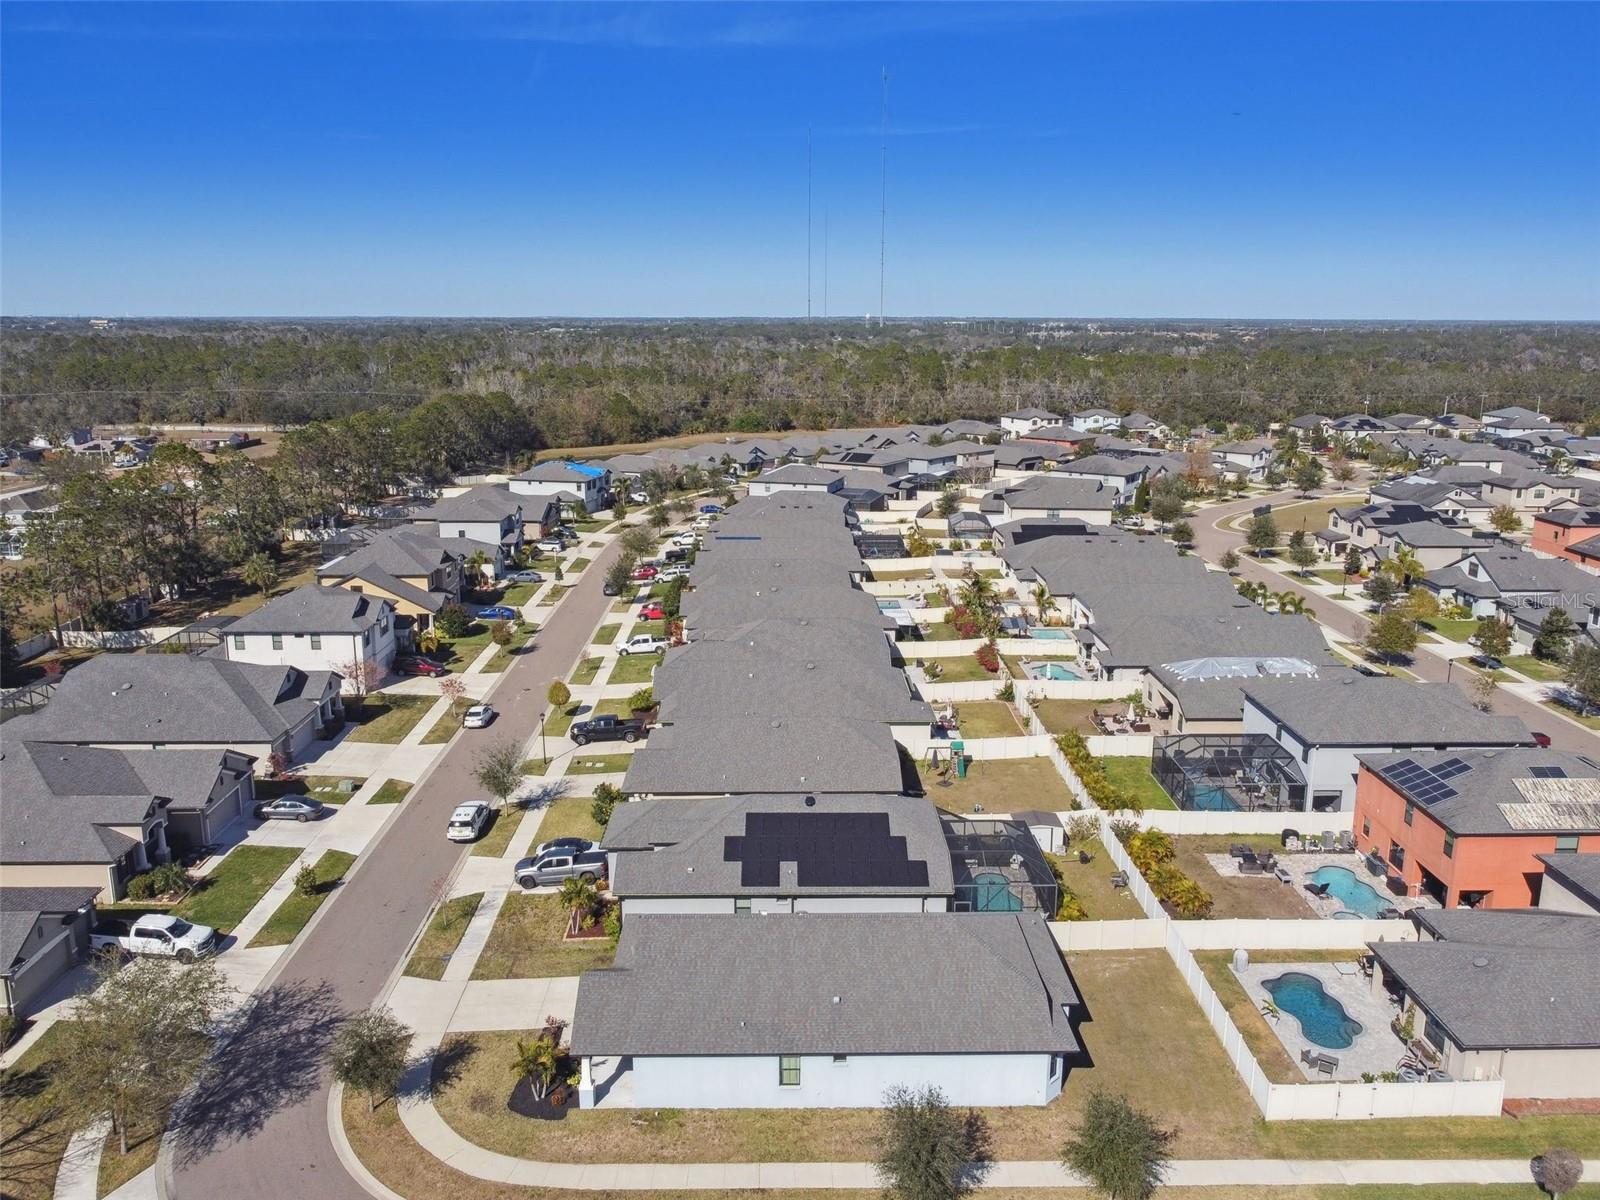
[
  {"x": 315, "y": 608},
  {"x": 405, "y": 553},
  {"x": 21, "y": 908},
  {"x": 921, "y": 983},
  {"x": 693, "y": 858},
  {"x": 1578, "y": 873},
  {"x": 711, "y": 681},
  {"x": 1348, "y": 709},
  {"x": 798, "y": 473},
  {"x": 486, "y": 502},
  {"x": 1505, "y": 979},
  {"x": 719, "y": 755},
  {"x": 1489, "y": 783},
  {"x": 1058, "y": 492},
  {"x": 59, "y": 802}
]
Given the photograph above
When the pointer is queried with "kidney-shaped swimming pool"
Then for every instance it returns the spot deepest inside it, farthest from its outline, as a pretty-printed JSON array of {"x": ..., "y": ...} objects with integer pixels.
[{"x": 1322, "y": 1019}]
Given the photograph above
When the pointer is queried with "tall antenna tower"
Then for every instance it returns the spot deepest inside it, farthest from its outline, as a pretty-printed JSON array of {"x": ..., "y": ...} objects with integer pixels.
[
  {"x": 883, "y": 188},
  {"x": 808, "y": 223}
]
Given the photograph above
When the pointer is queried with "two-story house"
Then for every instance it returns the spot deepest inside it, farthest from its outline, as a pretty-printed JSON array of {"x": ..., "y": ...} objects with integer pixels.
[
  {"x": 487, "y": 513},
  {"x": 319, "y": 629},
  {"x": 417, "y": 571},
  {"x": 589, "y": 482},
  {"x": 1025, "y": 420}
]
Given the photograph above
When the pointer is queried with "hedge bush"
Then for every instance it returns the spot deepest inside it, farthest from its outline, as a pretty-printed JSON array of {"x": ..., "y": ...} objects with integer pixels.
[{"x": 1089, "y": 772}]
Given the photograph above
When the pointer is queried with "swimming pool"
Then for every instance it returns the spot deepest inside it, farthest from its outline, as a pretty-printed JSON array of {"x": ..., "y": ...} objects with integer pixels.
[
  {"x": 1353, "y": 893},
  {"x": 1040, "y": 670},
  {"x": 991, "y": 892},
  {"x": 1322, "y": 1019},
  {"x": 1211, "y": 797},
  {"x": 1046, "y": 634},
  {"x": 889, "y": 605}
]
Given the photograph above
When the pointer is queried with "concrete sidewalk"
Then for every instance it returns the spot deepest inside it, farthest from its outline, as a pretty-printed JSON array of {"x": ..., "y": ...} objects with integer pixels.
[{"x": 436, "y": 1007}]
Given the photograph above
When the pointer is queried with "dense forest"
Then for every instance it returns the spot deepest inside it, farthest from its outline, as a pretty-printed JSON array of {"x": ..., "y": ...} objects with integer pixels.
[{"x": 590, "y": 383}]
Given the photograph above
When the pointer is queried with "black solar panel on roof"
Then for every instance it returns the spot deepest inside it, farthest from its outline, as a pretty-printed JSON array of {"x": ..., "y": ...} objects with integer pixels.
[
  {"x": 1547, "y": 773},
  {"x": 828, "y": 850},
  {"x": 1421, "y": 784},
  {"x": 1450, "y": 768}
]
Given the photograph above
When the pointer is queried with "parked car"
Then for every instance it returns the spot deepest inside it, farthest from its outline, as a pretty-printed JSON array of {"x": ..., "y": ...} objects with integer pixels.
[
  {"x": 702, "y": 521},
  {"x": 637, "y": 497},
  {"x": 1541, "y": 739},
  {"x": 525, "y": 577},
  {"x": 606, "y": 729},
  {"x": 653, "y": 612},
  {"x": 158, "y": 934},
  {"x": 498, "y": 612},
  {"x": 643, "y": 643},
  {"x": 1487, "y": 661},
  {"x": 686, "y": 540},
  {"x": 675, "y": 571},
  {"x": 551, "y": 545},
  {"x": 290, "y": 808},
  {"x": 572, "y": 845},
  {"x": 468, "y": 821},
  {"x": 559, "y": 866},
  {"x": 714, "y": 509},
  {"x": 419, "y": 666},
  {"x": 607, "y": 590},
  {"x": 644, "y": 573},
  {"x": 676, "y": 554},
  {"x": 478, "y": 716}
]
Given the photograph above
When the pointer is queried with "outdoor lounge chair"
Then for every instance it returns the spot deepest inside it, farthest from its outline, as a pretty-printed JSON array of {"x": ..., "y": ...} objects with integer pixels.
[
  {"x": 1239, "y": 850},
  {"x": 1250, "y": 866},
  {"x": 1317, "y": 889},
  {"x": 1283, "y": 874},
  {"x": 1327, "y": 1065},
  {"x": 1309, "y": 1059},
  {"x": 1119, "y": 879}
]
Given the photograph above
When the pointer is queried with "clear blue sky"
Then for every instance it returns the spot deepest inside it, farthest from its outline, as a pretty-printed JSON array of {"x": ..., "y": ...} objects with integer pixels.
[{"x": 1282, "y": 160}]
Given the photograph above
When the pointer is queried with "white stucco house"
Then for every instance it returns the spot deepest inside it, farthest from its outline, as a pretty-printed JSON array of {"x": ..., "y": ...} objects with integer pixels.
[
  {"x": 589, "y": 482},
  {"x": 796, "y": 477},
  {"x": 1026, "y": 420},
  {"x": 1093, "y": 420},
  {"x": 826, "y": 1011},
  {"x": 1056, "y": 496},
  {"x": 319, "y": 628},
  {"x": 490, "y": 513}
]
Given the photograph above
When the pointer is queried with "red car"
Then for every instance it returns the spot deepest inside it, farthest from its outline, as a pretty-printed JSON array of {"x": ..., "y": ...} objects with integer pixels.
[
  {"x": 642, "y": 573},
  {"x": 418, "y": 666},
  {"x": 652, "y": 612},
  {"x": 1541, "y": 739}
]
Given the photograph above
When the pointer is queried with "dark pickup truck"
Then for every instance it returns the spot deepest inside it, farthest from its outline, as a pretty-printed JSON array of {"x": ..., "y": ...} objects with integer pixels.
[{"x": 607, "y": 729}]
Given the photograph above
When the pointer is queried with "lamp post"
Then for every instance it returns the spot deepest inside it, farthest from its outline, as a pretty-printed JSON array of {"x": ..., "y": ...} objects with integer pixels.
[{"x": 544, "y": 750}]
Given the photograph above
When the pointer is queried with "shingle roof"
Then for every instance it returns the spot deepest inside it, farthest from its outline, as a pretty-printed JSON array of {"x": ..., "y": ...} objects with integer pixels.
[
  {"x": 1348, "y": 709},
  {"x": 1029, "y": 414},
  {"x": 486, "y": 502},
  {"x": 315, "y": 608},
  {"x": 696, "y": 858},
  {"x": 398, "y": 552},
  {"x": 1507, "y": 979},
  {"x": 797, "y": 473},
  {"x": 917, "y": 983},
  {"x": 719, "y": 755},
  {"x": 698, "y": 681},
  {"x": 1057, "y": 492},
  {"x": 1578, "y": 873},
  {"x": 21, "y": 908},
  {"x": 59, "y": 802},
  {"x": 1487, "y": 793}
]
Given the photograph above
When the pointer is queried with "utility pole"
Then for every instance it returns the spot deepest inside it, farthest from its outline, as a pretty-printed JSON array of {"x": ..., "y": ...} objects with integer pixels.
[{"x": 883, "y": 188}]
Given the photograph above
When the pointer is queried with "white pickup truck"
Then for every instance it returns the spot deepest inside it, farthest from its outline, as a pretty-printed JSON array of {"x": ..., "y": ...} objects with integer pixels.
[
  {"x": 644, "y": 643},
  {"x": 155, "y": 933}
]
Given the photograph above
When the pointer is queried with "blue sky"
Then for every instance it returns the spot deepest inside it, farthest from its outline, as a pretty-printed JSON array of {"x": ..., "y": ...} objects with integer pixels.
[{"x": 1284, "y": 160}]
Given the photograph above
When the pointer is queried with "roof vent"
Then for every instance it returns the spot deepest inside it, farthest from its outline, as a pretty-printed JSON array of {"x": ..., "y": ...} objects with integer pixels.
[
  {"x": 811, "y": 666},
  {"x": 777, "y": 722},
  {"x": 811, "y": 801},
  {"x": 838, "y": 999},
  {"x": 1480, "y": 962}
]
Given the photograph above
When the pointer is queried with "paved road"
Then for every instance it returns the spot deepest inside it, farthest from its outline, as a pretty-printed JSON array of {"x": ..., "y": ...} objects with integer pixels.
[
  {"x": 259, "y": 1129},
  {"x": 1211, "y": 542}
]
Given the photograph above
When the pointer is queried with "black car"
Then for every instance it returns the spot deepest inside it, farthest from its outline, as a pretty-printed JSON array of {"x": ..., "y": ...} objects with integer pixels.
[
  {"x": 606, "y": 729},
  {"x": 675, "y": 555},
  {"x": 1487, "y": 661}
]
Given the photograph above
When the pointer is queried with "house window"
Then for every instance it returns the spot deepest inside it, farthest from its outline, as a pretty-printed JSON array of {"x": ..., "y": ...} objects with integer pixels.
[
  {"x": 238, "y": 641},
  {"x": 1397, "y": 854},
  {"x": 789, "y": 1071},
  {"x": 1538, "y": 493},
  {"x": 366, "y": 637},
  {"x": 277, "y": 641},
  {"x": 316, "y": 641},
  {"x": 1449, "y": 845},
  {"x": 840, "y": 1060},
  {"x": 1567, "y": 845},
  {"x": 741, "y": 904},
  {"x": 1366, "y": 828},
  {"x": 1411, "y": 811}
]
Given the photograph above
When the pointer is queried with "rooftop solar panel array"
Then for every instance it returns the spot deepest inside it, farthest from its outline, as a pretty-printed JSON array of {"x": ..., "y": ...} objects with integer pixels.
[
  {"x": 828, "y": 850},
  {"x": 1427, "y": 786}
]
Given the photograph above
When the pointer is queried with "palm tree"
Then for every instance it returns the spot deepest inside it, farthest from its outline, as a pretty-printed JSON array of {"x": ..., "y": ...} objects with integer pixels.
[
  {"x": 1290, "y": 602},
  {"x": 538, "y": 1062},
  {"x": 1403, "y": 565},
  {"x": 476, "y": 561},
  {"x": 580, "y": 894},
  {"x": 1043, "y": 601}
]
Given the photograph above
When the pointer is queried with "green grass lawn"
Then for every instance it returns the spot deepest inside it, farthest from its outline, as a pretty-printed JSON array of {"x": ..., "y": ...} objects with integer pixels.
[
  {"x": 458, "y": 653},
  {"x": 519, "y": 594},
  {"x": 586, "y": 670},
  {"x": 1535, "y": 668},
  {"x": 1000, "y": 785},
  {"x": 987, "y": 719},
  {"x": 653, "y": 628},
  {"x": 938, "y": 631},
  {"x": 388, "y": 718},
  {"x": 1451, "y": 630},
  {"x": 1091, "y": 883},
  {"x": 443, "y": 729},
  {"x": 611, "y": 708},
  {"x": 1337, "y": 578},
  {"x": 1591, "y": 721},
  {"x": 494, "y": 842},
  {"x": 585, "y": 763},
  {"x": 442, "y": 936},
  {"x": 1132, "y": 775},
  {"x": 326, "y": 787},
  {"x": 505, "y": 655},
  {"x": 963, "y": 668},
  {"x": 577, "y": 565},
  {"x": 1060, "y": 716},
  {"x": 607, "y": 634},
  {"x": 239, "y": 881},
  {"x": 559, "y": 721},
  {"x": 919, "y": 573},
  {"x": 391, "y": 792},
  {"x": 634, "y": 668},
  {"x": 294, "y": 913},
  {"x": 570, "y": 816},
  {"x": 1234, "y": 895},
  {"x": 526, "y": 943}
]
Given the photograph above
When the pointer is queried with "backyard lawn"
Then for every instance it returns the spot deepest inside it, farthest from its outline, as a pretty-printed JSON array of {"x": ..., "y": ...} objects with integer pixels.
[
  {"x": 223, "y": 897},
  {"x": 1239, "y": 895},
  {"x": 391, "y": 792},
  {"x": 526, "y": 943},
  {"x": 987, "y": 719},
  {"x": 1091, "y": 883},
  {"x": 498, "y": 837},
  {"x": 1000, "y": 785},
  {"x": 939, "y": 631},
  {"x": 442, "y": 936},
  {"x": 1062, "y": 716},
  {"x": 634, "y": 668},
  {"x": 918, "y": 573},
  {"x": 962, "y": 668},
  {"x": 1131, "y": 774},
  {"x": 296, "y": 910},
  {"x": 388, "y": 718}
]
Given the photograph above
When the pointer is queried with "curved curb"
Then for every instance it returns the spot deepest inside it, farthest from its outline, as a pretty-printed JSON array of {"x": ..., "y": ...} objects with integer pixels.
[{"x": 346, "y": 1154}]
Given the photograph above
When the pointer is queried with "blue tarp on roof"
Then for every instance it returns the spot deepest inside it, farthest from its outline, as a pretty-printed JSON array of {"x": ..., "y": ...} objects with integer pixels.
[{"x": 584, "y": 469}]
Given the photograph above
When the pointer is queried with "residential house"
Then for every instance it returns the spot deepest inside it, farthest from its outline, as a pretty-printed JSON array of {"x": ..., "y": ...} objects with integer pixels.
[
  {"x": 1514, "y": 584},
  {"x": 1529, "y": 493},
  {"x": 489, "y": 513},
  {"x": 1330, "y": 723},
  {"x": 1017, "y": 459},
  {"x": 1358, "y": 426},
  {"x": 1433, "y": 543},
  {"x": 720, "y": 1011},
  {"x": 1252, "y": 457},
  {"x": 588, "y": 482},
  {"x": 1307, "y": 423},
  {"x": 1513, "y": 996},
  {"x": 1145, "y": 427},
  {"x": 779, "y": 854},
  {"x": 1094, "y": 420},
  {"x": 1053, "y": 496},
  {"x": 417, "y": 572},
  {"x": 1515, "y": 421},
  {"x": 1571, "y": 883},
  {"x": 1064, "y": 437},
  {"x": 187, "y": 702},
  {"x": 317, "y": 628},
  {"x": 1025, "y": 420},
  {"x": 1460, "y": 425},
  {"x": 44, "y": 932},
  {"x": 1122, "y": 475},
  {"x": 1467, "y": 827},
  {"x": 796, "y": 477}
]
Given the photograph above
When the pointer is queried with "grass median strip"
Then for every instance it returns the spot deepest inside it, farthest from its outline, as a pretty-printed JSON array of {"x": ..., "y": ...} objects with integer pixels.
[
  {"x": 443, "y": 935},
  {"x": 493, "y": 843},
  {"x": 607, "y": 634},
  {"x": 443, "y": 729},
  {"x": 298, "y": 909},
  {"x": 223, "y": 897},
  {"x": 392, "y": 792}
]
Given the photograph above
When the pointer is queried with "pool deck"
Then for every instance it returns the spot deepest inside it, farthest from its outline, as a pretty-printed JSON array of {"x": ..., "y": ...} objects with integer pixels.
[
  {"x": 1375, "y": 1049},
  {"x": 1302, "y": 866}
]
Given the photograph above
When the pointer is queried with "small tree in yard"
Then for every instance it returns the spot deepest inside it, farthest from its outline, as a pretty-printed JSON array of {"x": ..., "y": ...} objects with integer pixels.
[
  {"x": 1493, "y": 637},
  {"x": 501, "y": 633},
  {"x": 1381, "y": 590},
  {"x": 1352, "y": 563},
  {"x": 1392, "y": 635},
  {"x": 638, "y": 541},
  {"x": 305, "y": 880},
  {"x": 559, "y": 695},
  {"x": 1308, "y": 476},
  {"x": 1166, "y": 507},
  {"x": 926, "y": 1149},
  {"x": 454, "y": 689},
  {"x": 1557, "y": 1171},
  {"x": 138, "y": 1038},
  {"x": 369, "y": 1054},
  {"x": 1118, "y": 1148},
  {"x": 1262, "y": 534},
  {"x": 453, "y": 621},
  {"x": 617, "y": 573},
  {"x": 539, "y": 1060},
  {"x": 361, "y": 677},
  {"x": 1183, "y": 533},
  {"x": 1555, "y": 631},
  {"x": 1304, "y": 557},
  {"x": 949, "y": 502},
  {"x": 260, "y": 572},
  {"x": 1503, "y": 519},
  {"x": 1483, "y": 689},
  {"x": 1229, "y": 561},
  {"x": 499, "y": 768},
  {"x": 659, "y": 516},
  {"x": 1583, "y": 674},
  {"x": 1343, "y": 471},
  {"x": 606, "y": 798}
]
